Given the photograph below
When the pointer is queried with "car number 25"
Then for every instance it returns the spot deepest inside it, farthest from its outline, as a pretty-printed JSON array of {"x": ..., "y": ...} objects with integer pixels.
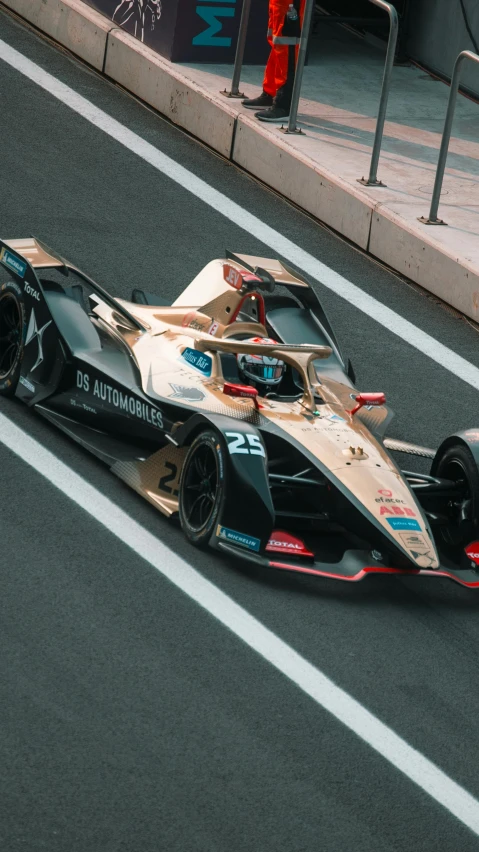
[{"x": 245, "y": 444}]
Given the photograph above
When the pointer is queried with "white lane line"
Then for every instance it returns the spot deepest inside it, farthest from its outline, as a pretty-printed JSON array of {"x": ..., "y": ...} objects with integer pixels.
[
  {"x": 404, "y": 329},
  {"x": 309, "y": 679}
]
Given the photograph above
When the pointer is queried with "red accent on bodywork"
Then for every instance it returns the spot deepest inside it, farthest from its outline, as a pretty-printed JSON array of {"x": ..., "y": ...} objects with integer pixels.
[
  {"x": 354, "y": 578},
  {"x": 368, "y": 399},
  {"x": 244, "y": 391},
  {"x": 261, "y": 311},
  {"x": 232, "y": 276},
  {"x": 472, "y": 551},
  {"x": 284, "y": 542}
]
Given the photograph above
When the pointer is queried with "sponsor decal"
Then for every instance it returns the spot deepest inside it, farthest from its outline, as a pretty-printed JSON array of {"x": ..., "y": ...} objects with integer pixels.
[
  {"x": 336, "y": 418},
  {"x": 198, "y": 360},
  {"x": 31, "y": 292},
  {"x": 397, "y": 510},
  {"x": 13, "y": 262},
  {"x": 472, "y": 551},
  {"x": 26, "y": 384},
  {"x": 75, "y": 404},
  {"x": 385, "y": 492},
  {"x": 232, "y": 276},
  {"x": 238, "y": 538},
  {"x": 388, "y": 500},
  {"x": 35, "y": 333},
  {"x": 472, "y": 435},
  {"x": 213, "y": 328},
  {"x": 283, "y": 542},
  {"x": 190, "y": 320},
  {"x": 415, "y": 541},
  {"x": 403, "y": 524},
  {"x": 189, "y": 394},
  {"x": 123, "y": 401}
]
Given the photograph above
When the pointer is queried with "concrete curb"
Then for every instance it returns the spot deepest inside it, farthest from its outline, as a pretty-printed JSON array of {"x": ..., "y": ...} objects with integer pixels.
[
  {"x": 162, "y": 85},
  {"x": 71, "y": 23},
  {"x": 295, "y": 176},
  {"x": 398, "y": 240}
]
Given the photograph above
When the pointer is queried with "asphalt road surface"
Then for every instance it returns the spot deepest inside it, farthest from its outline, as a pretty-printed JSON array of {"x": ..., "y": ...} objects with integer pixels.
[{"x": 131, "y": 720}]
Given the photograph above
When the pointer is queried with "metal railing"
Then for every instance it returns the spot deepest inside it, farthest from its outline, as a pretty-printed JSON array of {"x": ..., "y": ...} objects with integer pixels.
[
  {"x": 240, "y": 46},
  {"x": 298, "y": 75},
  {"x": 372, "y": 180},
  {"x": 446, "y": 137}
]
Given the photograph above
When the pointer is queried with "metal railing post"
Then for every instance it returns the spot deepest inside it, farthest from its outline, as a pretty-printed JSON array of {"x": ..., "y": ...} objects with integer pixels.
[
  {"x": 446, "y": 137},
  {"x": 298, "y": 76},
  {"x": 240, "y": 46},
  {"x": 372, "y": 180}
]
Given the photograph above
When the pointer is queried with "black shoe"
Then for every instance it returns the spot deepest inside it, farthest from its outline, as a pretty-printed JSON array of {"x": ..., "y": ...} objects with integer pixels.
[
  {"x": 274, "y": 113},
  {"x": 263, "y": 101}
]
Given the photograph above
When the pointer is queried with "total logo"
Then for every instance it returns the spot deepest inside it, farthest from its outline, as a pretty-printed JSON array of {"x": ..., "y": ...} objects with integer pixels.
[
  {"x": 472, "y": 551},
  {"x": 274, "y": 542},
  {"x": 31, "y": 292}
]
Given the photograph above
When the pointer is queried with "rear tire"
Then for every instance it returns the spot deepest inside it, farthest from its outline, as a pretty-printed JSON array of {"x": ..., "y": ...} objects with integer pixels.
[
  {"x": 202, "y": 488},
  {"x": 12, "y": 336},
  {"x": 458, "y": 464}
]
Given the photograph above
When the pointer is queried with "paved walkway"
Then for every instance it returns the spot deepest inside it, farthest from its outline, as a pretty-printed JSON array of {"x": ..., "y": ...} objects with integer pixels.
[{"x": 341, "y": 91}]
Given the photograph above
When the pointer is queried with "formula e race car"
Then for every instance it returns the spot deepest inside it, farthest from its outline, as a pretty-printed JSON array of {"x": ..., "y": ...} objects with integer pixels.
[{"x": 233, "y": 410}]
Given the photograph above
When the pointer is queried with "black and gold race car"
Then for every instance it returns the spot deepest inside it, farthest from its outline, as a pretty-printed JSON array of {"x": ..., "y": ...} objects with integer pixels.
[{"x": 294, "y": 473}]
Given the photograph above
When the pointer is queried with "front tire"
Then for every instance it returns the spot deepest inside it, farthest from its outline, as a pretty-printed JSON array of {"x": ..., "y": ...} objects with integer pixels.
[
  {"x": 458, "y": 464},
  {"x": 202, "y": 488},
  {"x": 12, "y": 336}
]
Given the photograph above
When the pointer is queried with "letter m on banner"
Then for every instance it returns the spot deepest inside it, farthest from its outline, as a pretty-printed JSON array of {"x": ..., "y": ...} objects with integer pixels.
[{"x": 211, "y": 15}]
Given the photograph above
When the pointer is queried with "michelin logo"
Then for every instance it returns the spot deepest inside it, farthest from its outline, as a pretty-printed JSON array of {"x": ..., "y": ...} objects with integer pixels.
[
  {"x": 123, "y": 401},
  {"x": 238, "y": 538},
  {"x": 13, "y": 262}
]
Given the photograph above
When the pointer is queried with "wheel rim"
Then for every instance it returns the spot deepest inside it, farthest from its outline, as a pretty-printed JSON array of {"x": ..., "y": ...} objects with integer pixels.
[
  {"x": 460, "y": 510},
  {"x": 10, "y": 333},
  {"x": 200, "y": 488}
]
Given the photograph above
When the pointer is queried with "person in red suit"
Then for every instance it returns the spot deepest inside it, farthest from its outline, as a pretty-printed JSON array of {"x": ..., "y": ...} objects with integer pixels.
[{"x": 284, "y": 35}]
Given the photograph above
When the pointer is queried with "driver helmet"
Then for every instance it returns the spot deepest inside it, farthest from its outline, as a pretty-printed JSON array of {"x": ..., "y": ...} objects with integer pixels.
[{"x": 261, "y": 369}]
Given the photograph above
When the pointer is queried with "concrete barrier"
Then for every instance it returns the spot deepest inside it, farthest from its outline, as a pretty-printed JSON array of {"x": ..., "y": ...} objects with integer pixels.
[
  {"x": 410, "y": 249},
  {"x": 69, "y": 22},
  {"x": 162, "y": 85}
]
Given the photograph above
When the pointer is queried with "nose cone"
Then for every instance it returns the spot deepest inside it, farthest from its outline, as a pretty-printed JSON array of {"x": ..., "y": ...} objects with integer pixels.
[{"x": 393, "y": 508}]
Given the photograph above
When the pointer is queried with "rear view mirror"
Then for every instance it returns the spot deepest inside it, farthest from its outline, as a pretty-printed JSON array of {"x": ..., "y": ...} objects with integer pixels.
[
  {"x": 244, "y": 391},
  {"x": 368, "y": 399}
]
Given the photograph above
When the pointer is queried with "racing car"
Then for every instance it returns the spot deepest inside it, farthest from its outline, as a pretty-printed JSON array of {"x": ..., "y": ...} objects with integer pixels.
[{"x": 234, "y": 411}]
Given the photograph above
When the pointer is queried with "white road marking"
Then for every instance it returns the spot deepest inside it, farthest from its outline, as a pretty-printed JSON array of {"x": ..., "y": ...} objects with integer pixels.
[
  {"x": 285, "y": 659},
  {"x": 379, "y": 312}
]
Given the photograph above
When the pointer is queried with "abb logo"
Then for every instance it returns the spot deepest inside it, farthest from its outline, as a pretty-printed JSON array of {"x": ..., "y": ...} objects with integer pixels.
[
  {"x": 397, "y": 510},
  {"x": 232, "y": 276}
]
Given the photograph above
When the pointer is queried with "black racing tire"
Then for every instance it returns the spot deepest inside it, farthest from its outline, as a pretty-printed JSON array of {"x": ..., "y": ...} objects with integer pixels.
[
  {"x": 202, "y": 488},
  {"x": 457, "y": 463},
  {"x": 12, "y": 336}
]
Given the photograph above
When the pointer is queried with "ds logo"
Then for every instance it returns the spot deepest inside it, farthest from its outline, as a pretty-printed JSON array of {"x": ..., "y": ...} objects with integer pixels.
[{"x": 211, "y": 15}]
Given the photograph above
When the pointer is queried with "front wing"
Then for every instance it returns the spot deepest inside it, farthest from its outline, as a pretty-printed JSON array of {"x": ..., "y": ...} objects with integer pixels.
[{"x": 354, "y": 566}]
